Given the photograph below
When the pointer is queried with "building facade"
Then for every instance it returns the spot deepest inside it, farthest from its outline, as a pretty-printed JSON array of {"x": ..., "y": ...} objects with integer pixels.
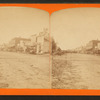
[
  {"x": 43, "y": 42},
  {"x": 18, "y": 43}
]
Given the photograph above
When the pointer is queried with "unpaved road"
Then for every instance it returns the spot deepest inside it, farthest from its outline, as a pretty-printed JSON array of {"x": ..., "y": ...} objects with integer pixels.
[
  {"x": 24, "y": 70},
  {"x": 76, "y": 71}
]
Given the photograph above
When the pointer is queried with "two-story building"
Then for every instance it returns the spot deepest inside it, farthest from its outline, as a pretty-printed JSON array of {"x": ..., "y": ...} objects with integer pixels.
[
  {"x": 43, "y": 42},
  {"x": 40, "y": 42}
]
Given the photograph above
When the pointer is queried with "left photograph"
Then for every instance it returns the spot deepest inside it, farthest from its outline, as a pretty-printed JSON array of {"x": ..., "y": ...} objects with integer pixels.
[{"x": 24, "y": 48}]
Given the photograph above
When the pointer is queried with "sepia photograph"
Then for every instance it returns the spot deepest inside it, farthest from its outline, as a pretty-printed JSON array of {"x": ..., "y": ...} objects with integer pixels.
[
  {"x": 24, "y": 48},
  {"x": 76, "y": 48}
]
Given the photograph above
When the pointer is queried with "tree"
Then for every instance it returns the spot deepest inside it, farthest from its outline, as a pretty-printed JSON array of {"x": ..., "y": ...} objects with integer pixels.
[{"x": 54, "y": 45}]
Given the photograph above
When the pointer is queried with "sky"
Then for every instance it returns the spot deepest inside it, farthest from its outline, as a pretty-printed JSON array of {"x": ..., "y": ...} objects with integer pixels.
[
  {"x": 21, "y": 22},
  {"x": 75, "y": 27}
]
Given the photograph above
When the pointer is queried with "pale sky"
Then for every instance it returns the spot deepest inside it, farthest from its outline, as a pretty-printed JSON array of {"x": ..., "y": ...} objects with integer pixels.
[
  {"x": 21, "y": 21},
  {"x": 74, "y": 27}
]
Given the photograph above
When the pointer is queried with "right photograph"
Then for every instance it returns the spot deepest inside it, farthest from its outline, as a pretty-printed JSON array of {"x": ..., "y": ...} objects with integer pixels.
[{"x": 76, "y": 48}]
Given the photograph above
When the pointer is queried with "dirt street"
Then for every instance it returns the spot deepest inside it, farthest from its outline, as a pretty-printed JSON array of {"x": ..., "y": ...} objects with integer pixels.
[
  {"x": 76, "y": 71},
  {"x": 24, "y": 70}
]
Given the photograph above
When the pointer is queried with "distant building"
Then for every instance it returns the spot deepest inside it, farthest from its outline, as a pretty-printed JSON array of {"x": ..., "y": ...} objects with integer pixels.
[
  {"x": 18, "y": 42},
  {"x": 92, "y": 46}
]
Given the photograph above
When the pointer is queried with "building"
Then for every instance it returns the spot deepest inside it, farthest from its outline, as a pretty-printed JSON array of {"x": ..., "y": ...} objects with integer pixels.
[
  {"x": 33, "y": 39},
  {"x": 18, "y": 43},
  {"x": 43, "y": 42},
  {"x": 40, "y": 42},
  {"x": 92, "y": 46}
]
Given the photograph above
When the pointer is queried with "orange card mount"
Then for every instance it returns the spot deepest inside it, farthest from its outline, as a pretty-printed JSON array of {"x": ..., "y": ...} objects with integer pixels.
[{"x": 50, "y": 8}]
